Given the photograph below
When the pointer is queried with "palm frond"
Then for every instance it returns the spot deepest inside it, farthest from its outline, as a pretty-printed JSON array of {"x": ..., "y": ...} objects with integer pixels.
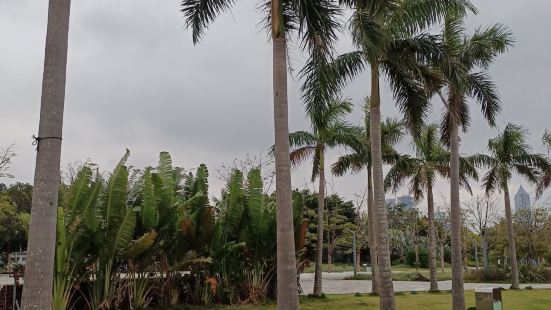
[
  {"x": 483, "y": 89},
  {"x": 410, "y": 95},
  {"x": 485, "y": 45},
  {"x": 299, "y": 155},
  {"x": 200, "y": 13},
  {"x": 353, "y": 162},
  {"x": 317, "y": 24},
  {"x": 302, "y": 138},
  {"x": 404, "y": 168},
  {"x": 417, "y": 15}
]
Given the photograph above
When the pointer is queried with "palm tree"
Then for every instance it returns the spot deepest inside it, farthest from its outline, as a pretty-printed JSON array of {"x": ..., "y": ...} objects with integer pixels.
[
  {"x": 463, "y": 64},
  {"x": 509, "y": 153},
  {"x": 328, "y": 130},
  {"x": 360, "y": 158},
  {"x": 387, "y": 35},
  {"x": 431, "y": 160},
  {"x": 315, "y": 23},
  {"x": 545, "y": 180},
  {"x": 37, "y": 293}
]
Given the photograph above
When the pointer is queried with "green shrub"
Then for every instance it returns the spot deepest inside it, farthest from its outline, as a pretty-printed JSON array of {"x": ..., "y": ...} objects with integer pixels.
[{"x": 423, "y": 258}]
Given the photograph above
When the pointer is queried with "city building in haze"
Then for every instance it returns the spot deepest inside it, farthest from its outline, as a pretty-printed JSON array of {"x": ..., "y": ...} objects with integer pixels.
[
  {"x": 522, "y": 199},
  {"x": 407, "y": 201}
]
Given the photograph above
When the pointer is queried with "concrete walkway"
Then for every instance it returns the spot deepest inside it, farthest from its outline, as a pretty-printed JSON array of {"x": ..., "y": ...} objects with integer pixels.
[{"x": 334, "y": 283}]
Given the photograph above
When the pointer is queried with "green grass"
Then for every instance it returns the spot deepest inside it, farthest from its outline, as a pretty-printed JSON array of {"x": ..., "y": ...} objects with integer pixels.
[
  {"x": 341, "y": 267},
  {"x": 512, "y": 299}
]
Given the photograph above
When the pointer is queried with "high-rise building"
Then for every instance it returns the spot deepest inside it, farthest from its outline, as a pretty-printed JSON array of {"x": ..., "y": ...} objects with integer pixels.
[
  {"x": 522, "y": 199},
  {"x": 390, "y": 203},
  {"x": 407, "y": 201}
]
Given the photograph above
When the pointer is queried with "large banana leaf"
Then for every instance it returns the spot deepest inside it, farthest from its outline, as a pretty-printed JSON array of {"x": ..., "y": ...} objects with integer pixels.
[
  {"x": 255, "y": 194},
  {"x": 119, "y": 242},
  {"x": 235, "y": 206},
  {"x": 166, "y": 174},
  {"x": 149, "y": 204},
  {"x": 142, "y": 244},
  {"x": 114, "y": 196}
]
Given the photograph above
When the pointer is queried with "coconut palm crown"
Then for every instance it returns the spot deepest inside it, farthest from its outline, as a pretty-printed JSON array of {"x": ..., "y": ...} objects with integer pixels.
[
  {"x": 431, "y": 160},
  {"x": 510, "y": 154}
]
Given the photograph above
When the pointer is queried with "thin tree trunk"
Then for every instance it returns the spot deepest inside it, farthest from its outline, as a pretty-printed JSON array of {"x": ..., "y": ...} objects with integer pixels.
[
  {"x": 485, "y": 253},
  {"x": 432, "y": 240},
  {"x": 329, "y": 260},
  {"x": 287, "y": 291},
  {"x": 442, "y": 257},
  {"x": 37, "y": 291},
  {"x": 455, "y": 219},
  {"x": 416, "y": 244},
  {"x": 511, "y": 239},
  {"x": 476, "y": 256},
  {"x": 386, "y": 289},
  {"x": 416, "y": 249},
  {"x": 319, "y": 242},
  {"x": 358, "y": 258},
  {"x": 372, "y": 233}
]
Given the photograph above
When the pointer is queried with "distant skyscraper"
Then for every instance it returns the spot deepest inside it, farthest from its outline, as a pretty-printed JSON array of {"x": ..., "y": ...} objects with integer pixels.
[
  {"x": 390, "y": 203},
  {"x": 407, "y": 201},
  {"x": 522, "y": 199}
]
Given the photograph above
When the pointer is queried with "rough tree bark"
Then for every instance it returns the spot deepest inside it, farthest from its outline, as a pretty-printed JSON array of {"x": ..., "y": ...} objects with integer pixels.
[
  {"x": 386, "y": 288},
  {"x": 432, "y": 240},
  {"x": 372, "y": 233},
  {"x": 455, "y": 219},
  {"x": 287, "y": 291},
  {"x": 511, "y": 238},
  {"x": 37, "y": 291},
  {"x": 319, "y": 242}
]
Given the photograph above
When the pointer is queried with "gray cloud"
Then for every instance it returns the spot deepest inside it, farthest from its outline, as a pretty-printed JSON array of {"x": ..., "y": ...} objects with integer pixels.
[{"x": 135, "y": 80}]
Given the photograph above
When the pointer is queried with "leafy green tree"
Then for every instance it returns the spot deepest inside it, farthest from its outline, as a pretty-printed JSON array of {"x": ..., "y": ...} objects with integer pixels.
[
  {"x": 314, "y": 22},
  {"x": 545, "y": 180},
  {"x": 463, "y": 64},
  {"x": 21, "y": 194},
  {"x": 13, "y": 228},
  {"x": 388, "y": 36},
  {"x": 431, "y": 160},
  {"x": 509, "y": 154},
  {"x": 532, "y": 227},
  {"x": 6, "y": 155},
  {"x": 360, "y": 158},
  {"x": 328, "y": 130}
]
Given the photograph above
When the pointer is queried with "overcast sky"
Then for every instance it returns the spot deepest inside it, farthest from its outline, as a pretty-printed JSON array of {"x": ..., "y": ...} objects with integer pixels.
[{"x": 136, "y": 81}]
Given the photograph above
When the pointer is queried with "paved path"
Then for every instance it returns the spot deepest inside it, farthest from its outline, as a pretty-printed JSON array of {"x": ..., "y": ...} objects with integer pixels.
[{"x": 334, "y": 283}]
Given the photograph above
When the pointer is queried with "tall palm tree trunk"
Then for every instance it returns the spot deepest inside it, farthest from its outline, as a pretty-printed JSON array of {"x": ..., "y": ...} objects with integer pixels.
[
  {"x": 455, "y": 219},
  {"x": 287, "y": 291},
  {"x": 432, "y": 241},
  {"x": 511, "y": 238},
  {"x": 485, "y": 253},
  {"x": 386, "y": 289},
  {"x": 319, "y": 242},
  {"x": 372, "y": 230},
  {"x": 37, "y": 292}
]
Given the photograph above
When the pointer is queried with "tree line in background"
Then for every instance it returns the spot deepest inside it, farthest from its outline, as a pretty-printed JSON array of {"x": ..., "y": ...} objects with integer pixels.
[
  {"x": 393, "y": 41},
  {"x": 140, "y": 237}
]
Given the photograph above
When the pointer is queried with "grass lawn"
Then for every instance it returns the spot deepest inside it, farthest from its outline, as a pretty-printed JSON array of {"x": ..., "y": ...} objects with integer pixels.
[
  {"x": 406, "y": 276},
  {"x": 341, "y": 267},
  {"x": 512, "y": 299}
]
